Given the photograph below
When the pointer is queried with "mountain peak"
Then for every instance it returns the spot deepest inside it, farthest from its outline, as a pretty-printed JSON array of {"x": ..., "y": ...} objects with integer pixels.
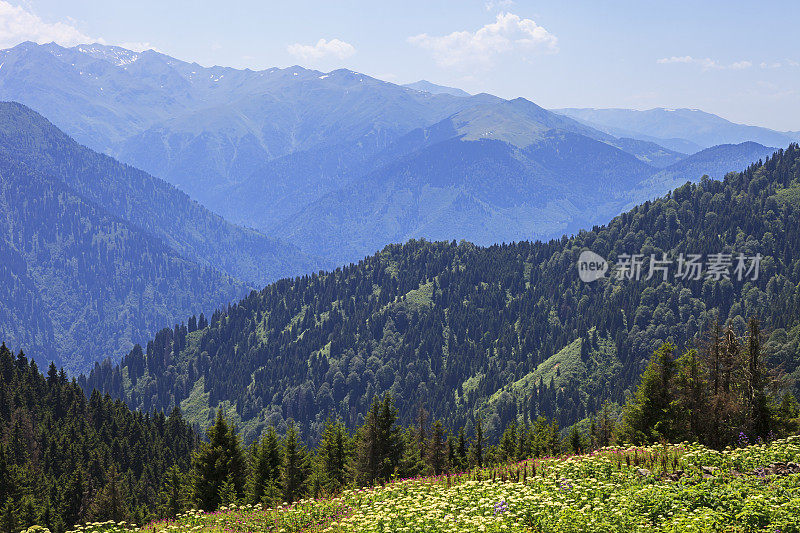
[
  {"x": 432, "y": 88},
  {"x": 115, "y": 54}
]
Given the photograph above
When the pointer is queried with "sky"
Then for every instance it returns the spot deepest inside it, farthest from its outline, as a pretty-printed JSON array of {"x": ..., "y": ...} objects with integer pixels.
[{"x": 740, "y": 60}]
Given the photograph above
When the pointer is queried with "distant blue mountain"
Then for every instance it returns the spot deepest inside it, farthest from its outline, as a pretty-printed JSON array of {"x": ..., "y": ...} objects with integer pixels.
[
  {"x": 98, "y": 255},
  {"x": 428, "y": 87},
  {"x": 683, "y": 130},
  {"x": 340, "y": 163},
  {"x": 505, "y": 172},
  {"x": 714, "y": 162}
]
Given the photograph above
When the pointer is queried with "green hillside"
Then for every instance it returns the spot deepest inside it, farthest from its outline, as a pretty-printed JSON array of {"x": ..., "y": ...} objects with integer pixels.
[{"x": 451, "y": 325}]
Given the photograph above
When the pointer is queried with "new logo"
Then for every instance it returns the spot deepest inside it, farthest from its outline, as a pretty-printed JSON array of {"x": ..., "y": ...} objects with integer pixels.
[{"x": 591, "y": 266}]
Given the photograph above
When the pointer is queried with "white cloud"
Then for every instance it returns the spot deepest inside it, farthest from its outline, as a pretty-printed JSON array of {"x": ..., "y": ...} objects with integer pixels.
[
  {"x": 491, "y": 5},
  {"x": 779, "y": 64},
  {"x": 509, "y": 33},
  {"x": 135, "y": 46},
  {"x": 706, "y": 63},
  {"x": 18, "y": 25},
  {"x": 323, "y": 48}
]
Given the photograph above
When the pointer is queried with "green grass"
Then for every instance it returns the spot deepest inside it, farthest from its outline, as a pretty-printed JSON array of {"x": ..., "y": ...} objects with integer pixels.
[
  {"x": 601, "y": 492},
  {"x": 562, "y": 367},
  {"x": 195, "y": 408},
  {"x": 420, "y": 298}
]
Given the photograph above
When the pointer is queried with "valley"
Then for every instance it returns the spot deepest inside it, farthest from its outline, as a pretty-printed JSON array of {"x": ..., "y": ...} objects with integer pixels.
[{"x": 411, "y": 267}]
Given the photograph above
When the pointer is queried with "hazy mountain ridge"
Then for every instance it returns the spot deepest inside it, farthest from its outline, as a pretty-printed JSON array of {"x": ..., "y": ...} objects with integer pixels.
[
  {"x": 451, "y": 326},
  {"x": 281, "y": 149},
  {"x": 147, "y": 202},
  {"x": 678, "y": 128},
  {"x": 100, "y": 255},
  {"x": 428, "y": 87},
  {"x": 714, "y": 162},
  {"x": 533, "y": 175}
]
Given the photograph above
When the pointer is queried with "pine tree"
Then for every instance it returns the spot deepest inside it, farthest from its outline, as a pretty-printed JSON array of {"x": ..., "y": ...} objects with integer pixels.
[
  {"x": 173, "y": 492},
  {"x": 218, "y": 461},
  {"x": 379, "y": 443},
  {"x": 437, "y": 452},
  {"x": 412, "y": 462},
  {"x": 296, "y": 468},
  {"x": 110, "y": 502},
  {"x": 575, "y": 440},
  {"x": 265, "y": 479},
  {"x": 335, "y": 452},
  {"x": 651, "y": 416},
  {"x": 692, "y": 398},
  {"x": 523, "y": 447},
  {"x": 8, "y": 522},
  {"x": 476, "y": 448},
  {"x": 227, "y": 491},
  {"x": 508, "y": 443},
  {"x": 760, "y": 416},
  {"x": 461, "y": 451}
]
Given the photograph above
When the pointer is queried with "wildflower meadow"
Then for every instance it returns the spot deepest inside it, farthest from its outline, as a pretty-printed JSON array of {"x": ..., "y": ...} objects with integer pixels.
[{"x": 660, "y": 488}]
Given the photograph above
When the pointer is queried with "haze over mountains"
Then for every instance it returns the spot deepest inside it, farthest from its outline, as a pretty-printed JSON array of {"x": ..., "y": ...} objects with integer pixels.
[
  {"x": 683, "y": 130},
  {"x": 99, "y": 255},
  {"x": 428, "y": 87},
  {"x": 327, "y": 167},
  {"x": 504, "y": 333},
  {"x": 282, "y": 150}
]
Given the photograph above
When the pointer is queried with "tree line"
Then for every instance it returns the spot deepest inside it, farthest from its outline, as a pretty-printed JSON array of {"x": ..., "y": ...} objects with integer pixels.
[
  {"x": 65, "y": 458},
  {"x": 723, "y": 393},
  {"x": 453, "y": 324}
]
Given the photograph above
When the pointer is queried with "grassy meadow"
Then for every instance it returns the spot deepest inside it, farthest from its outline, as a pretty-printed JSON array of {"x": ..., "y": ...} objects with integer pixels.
[{"x": 661, "y": 488}]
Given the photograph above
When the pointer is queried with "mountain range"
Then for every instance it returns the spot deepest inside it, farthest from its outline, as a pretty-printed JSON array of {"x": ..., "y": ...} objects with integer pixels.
[
  {"x": 506, "y": 332},
  {"x": 280, "y": 150},
  {"x": 100, "y": 255},
  {"x": 327, "y": 167},
  {"x": 683, "y": 130}
]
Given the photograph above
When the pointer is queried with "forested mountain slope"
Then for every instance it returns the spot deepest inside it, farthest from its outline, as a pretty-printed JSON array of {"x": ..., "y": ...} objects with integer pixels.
[
  {"x": 99, "y": 256},
  {"x": 79, "y": 283},
  {"x": 454, "y": 325},
  {"x": 66, "y": 458},
  {"x": 146, "y": 202}
]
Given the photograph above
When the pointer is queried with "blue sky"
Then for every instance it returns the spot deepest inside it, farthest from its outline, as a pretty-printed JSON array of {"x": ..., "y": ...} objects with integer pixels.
[{"x": 740, "y": 60}]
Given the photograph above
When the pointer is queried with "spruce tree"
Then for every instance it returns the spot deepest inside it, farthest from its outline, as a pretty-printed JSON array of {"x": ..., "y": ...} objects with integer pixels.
[
  {"x": 760, "y": 416},
  {"x": 335, "y": 451},
  {"x": 437, "y": 452},
  {"x": 173, "y": 492},
  {"x": 461, "y": 451},
  {"x": 651, "y": 414},
  {"x": 508, "y": 444},
  {"x": 296, "y": 467},
  {"x": 8, "y": 521},
  {"x": 218, "y": 461},
  {"x": 265, "y": 479},
  {"x": 110, "y": 502},
  {"x": 692, "y": 384},
  {"x": 379, "y": 443},
  {"x": 476, "y": 448}
]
